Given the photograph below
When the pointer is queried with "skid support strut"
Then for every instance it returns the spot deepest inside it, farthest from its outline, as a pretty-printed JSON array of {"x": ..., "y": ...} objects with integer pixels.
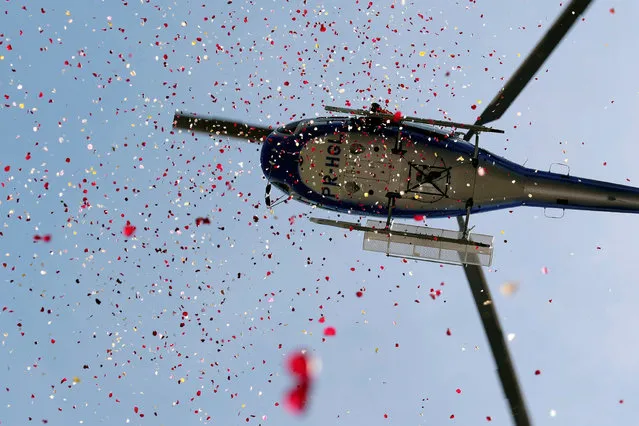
[{"x": 390, "y": 206}]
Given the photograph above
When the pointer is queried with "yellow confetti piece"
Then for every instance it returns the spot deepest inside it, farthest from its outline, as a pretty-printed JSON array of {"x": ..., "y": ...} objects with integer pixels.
[
  {"x": 21, "y": 106},
  {"x": 422, "y": 53},
  {"x": 76, "y": 380},
  {"x": 509, "y": 288},
  {"x": 68, "y": 13},
  {"x": 182, "y": 380}
]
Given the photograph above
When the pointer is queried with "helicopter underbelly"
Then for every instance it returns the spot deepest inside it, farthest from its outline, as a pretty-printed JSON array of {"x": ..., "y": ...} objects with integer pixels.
[{"x": 357, "y": 171}]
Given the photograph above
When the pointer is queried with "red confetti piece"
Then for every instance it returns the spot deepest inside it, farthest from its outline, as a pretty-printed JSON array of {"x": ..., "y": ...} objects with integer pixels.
[
  {"x": 448, "y": 332},
  {"x": 537, "y": 372},
  {"x": 612, "y": 10},
  {"x": 322, "y": 320},
  {"x": 418, "y": 217},
  {"x": 473, "y": 107},
  {"x": 202, "y": 221},
  {"x": 322, "y": 28},
  {"x": 7, "y": 168},
  {"x": 128, "y": 230},
  {"x": 359, "y": 294},
  {"x": 330, "y": 331},
  {"x": 458, "y": 390},
  {"x": 297, "y": 398},
  {"x": 298, "y": 366}
]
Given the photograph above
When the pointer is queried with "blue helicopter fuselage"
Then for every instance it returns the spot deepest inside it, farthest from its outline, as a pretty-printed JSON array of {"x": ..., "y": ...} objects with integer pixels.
[{"x": 356, "y": 165}]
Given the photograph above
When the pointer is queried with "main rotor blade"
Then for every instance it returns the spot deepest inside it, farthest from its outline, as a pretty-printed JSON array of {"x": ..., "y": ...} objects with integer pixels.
[
  {"x": 393, "y": 117},
  {"x": 219, "y": 126},
  {"x": 495, "y": 335},
  {"x": 514, "y": 86}
]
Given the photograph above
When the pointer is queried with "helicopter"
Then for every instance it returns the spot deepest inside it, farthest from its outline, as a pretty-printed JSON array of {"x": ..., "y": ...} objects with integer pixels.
[{"x": 372, "y": 162}]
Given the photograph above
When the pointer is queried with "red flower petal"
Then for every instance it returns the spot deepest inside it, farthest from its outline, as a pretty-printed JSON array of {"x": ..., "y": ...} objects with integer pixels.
[
  {"x": 330, "y": 331},
  {"x": 298, "y": 366},
  {"x": 202, "y": 221},
  {"x": 128, "y": 230},
  {"x": 297, "y": 398}
]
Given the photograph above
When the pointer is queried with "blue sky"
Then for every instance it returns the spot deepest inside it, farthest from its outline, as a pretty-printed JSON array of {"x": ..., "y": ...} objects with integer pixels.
[{"x": 89, "y": 91}]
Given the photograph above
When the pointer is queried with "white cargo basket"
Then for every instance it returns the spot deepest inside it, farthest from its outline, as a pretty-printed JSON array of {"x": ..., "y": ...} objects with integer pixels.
[{"x": 430, "y": 244}]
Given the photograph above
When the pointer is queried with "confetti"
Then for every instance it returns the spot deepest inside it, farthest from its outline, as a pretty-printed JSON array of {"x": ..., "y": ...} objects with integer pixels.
[
  {"x": 145, "y": 245},
  {"x": 330, "y": 331},
  {"x": 296, "y": 399},
  {"x": 128, "y": 230},
  {"x": 509, "y": 288}
]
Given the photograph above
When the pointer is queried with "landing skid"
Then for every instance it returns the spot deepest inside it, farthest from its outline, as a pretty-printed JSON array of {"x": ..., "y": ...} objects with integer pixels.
[{"x": 420, "y": 242}]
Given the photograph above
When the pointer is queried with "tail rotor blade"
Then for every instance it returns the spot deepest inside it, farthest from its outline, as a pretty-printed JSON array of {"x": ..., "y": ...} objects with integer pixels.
[{"x": 217, "y": 126}]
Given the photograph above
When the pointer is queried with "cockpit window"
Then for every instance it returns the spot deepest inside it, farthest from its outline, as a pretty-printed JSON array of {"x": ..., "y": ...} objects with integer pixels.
[
  {"x": 289, "y": 129},
  {"x": 299, "y": 126}
]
